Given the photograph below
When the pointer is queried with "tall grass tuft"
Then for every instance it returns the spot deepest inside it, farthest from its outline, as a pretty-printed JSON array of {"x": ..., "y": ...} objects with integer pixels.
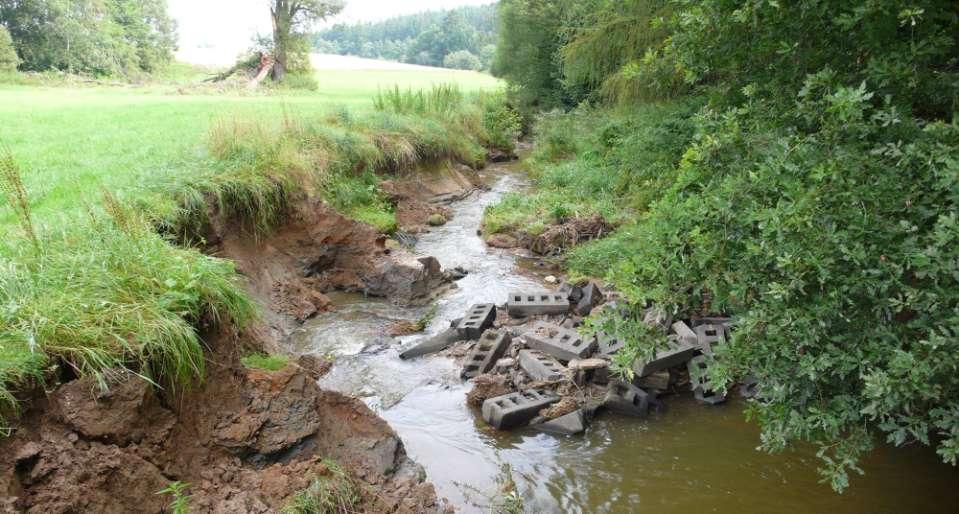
[
  {"x": 333, "y": 493},
  {"x": 11, "y": 182},
  {"x": 442, "y": 99}
]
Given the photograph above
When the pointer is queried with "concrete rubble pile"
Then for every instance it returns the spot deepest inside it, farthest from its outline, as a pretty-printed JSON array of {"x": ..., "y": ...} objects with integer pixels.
[{"x": 559, "y": 379}]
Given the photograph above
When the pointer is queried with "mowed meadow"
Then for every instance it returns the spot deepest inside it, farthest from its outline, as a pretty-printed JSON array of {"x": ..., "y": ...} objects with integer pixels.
[{"x": 72, "y": 141}]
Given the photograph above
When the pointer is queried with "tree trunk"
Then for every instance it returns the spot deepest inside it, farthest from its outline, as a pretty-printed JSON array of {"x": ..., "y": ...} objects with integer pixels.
[{"x": 281, "y": 34}]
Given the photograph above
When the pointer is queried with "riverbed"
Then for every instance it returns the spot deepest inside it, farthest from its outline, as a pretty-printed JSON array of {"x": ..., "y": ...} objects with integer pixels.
[{"x": 690, "y": 458}]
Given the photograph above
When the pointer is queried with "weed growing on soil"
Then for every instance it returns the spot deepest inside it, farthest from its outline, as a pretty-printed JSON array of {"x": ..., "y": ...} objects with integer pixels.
[
  {"x": 181, "y": 500},
  {"x": 332, "y": 493},
  {"x": 265, "y": 362}
]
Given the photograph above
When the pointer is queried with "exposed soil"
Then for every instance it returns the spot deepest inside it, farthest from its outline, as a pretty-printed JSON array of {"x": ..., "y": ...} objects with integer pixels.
[
  {"x": 556, "y": 238},
  {"x": 419, "y": 196},
  {"x": 245, "y": 440}
]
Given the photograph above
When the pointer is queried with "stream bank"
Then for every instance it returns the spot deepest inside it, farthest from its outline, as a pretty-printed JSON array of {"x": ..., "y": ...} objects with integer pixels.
[{"x": 689, "y": 457}]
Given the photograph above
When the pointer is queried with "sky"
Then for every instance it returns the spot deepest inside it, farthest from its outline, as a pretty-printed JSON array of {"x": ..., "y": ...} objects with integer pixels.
[{"x": 228, "y": 25}]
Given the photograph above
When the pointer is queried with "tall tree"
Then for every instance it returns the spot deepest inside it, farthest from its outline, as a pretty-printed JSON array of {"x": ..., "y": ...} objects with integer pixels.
[{"x": 291, "y": 18}]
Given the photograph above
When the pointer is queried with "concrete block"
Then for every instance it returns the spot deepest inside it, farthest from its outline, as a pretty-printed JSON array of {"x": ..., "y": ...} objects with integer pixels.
[
  {"x": 627, "y": 399},
  {"x": 477, "y": 319},
  {"x": 568, "y": 424},
  {"x": 676, "y": 352},
  {"x": 607, "y": 345},
  {"x": 714, "y": 320},
  {"x": 559, "y": 342},
  {"x": 540, "y": 366},
  {"x": 521, "y": 305},
  {"x": 684, "y": 333},
  {"x": 590, "y": 370},
  {"x": 484, "y": 354},
  {"x": 702, "y": 389},
  {"x": 709, "y": 335},
  {"x": 516, "y": 409},
  {"x": 434, "y": 344},
  {"x": 592, "y": 296}
]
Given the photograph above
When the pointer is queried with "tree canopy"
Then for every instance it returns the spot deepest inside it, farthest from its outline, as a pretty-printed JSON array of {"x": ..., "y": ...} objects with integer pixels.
[
  {"x": 292, "y": 19},
  {"x": 423, "y": 38},
  {"x": 98, "y": 37}
]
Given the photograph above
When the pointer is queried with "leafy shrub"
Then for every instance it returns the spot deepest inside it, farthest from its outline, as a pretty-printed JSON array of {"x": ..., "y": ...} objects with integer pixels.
[
  {"x": 8, "y": 54},
  {"x": 462, "y": 60},
  {"x": 501, "y": 122}
]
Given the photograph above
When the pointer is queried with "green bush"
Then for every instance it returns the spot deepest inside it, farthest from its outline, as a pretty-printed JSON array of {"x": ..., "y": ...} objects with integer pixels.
[{"x": 8, "y": 54}]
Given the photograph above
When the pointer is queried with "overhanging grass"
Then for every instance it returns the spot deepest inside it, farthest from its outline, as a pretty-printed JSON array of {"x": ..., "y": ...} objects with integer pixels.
[
  {"x": 106, "y": 293},
  {"x": 265, "y": 362}
]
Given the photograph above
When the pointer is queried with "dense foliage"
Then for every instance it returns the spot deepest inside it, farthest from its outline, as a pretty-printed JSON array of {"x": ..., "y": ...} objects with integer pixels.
[
  {"x": 425, "y": 38},
  {"x": 98, "y": 37},
  {"x": 812, "y": 191},
  {"x": 8, "y": 54}
]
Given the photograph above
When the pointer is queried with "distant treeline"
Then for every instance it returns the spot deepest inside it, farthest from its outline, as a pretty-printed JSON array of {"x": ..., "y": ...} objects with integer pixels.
[
  {"x": 96, "y": 37},
  {"x": 462, "y": 38}
]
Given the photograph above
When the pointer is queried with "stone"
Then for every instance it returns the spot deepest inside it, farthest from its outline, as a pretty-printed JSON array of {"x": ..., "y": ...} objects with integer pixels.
[
  {"x": 568, "y": 424},
  {"x": 702, "y": 388},
  {"x": 505, "y": 364},
  {"x": 521, "y": 305},
  {"x": 658, "y": 381},
  {"x": 436, "y": 220},
  {"x": 490, "y": 347},
  {"x": 572, "y": 291},
  {"x": 625, "y": 398},
  {"x": 559, "y": 342},
  {"x": 592, "y": 296},
  {"x": 749, "y": 388},
  {"x": 434, "y": 344},
  {"x": 607, "y": 345},
  {"x": 684, "y": 333},
  {"x": 516, "y": 409},
  {"x": 709, "y": 335},
  {"x": 676, "y": 352},
  {"x": 550, "y": 279},
  {"x": 540, "y": 366},
  {"x": 477, "y": 320}
]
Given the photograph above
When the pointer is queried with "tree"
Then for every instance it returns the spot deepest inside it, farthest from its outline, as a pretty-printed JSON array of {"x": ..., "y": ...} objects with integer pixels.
[
  {"x": 8, "y": 54},
  {"x": 291, "y": 20},
  {"x": 462, "y": 60}
]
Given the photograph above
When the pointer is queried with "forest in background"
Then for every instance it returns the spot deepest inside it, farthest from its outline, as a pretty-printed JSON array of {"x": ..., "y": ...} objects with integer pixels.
[
  {"x": 793, "y": 164},
  {"x": 461, "y": 38}
]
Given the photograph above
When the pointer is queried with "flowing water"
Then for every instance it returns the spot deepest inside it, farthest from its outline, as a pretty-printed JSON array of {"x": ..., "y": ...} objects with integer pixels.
[{"x": 691, "y": 458}]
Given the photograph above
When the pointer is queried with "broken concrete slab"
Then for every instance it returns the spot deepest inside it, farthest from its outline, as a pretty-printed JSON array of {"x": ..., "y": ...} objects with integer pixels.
[
  {"x": 567, "y": 424},
  {"x": 505, "y": 364},
  {"x": 536, "y": 303},
  {"x": 676, "y": 352},
  {"x": 702, "y": 388},
  {"x": 592, "y": 296},
  {"x": 684, "y": 333},
  {"x": 540, "y": 366},
  {"x": 516, "y": 409},
  {"x": 487, "y": 350},
  {"x": 434, "y": 344},
  {"x": 559, "y": 342},
  {"x": 477, "y": 320},
  {"x": 590, "y": 370},
  {"x": 625, "y": 398}
]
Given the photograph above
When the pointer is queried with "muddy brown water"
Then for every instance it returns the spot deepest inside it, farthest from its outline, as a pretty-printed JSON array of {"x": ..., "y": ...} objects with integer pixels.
[{"x": 691, "y": 458}]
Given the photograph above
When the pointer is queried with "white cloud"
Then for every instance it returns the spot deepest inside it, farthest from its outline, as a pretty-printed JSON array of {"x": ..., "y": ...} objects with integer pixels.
[{"x": 226, "y": 27}]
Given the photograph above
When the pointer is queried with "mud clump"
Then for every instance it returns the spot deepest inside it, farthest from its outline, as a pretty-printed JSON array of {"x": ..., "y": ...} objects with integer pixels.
[
  {"x": 487, "y": 386},
  {"x": 245, "y": 441}
]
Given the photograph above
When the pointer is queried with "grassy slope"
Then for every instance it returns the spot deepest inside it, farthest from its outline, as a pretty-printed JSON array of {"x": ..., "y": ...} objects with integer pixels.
[
  {"x": 70, "y": 142},
  {"x": 104, "y": 291}
]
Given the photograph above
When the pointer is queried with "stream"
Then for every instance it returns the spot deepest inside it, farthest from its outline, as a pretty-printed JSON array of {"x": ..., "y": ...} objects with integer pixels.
[{"x": 690, "y": 458}]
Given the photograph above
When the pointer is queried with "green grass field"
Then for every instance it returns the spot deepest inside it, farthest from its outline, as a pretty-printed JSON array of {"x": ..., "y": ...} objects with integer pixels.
[{"x": 71, "y": 141}]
